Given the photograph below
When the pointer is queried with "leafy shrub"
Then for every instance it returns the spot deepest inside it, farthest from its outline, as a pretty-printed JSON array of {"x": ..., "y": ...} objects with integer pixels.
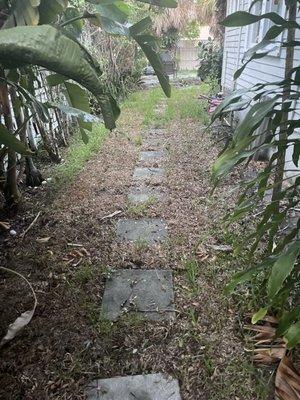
[
  {"x": 274, "y": 240},
  {"x": 210, "y": 57}
]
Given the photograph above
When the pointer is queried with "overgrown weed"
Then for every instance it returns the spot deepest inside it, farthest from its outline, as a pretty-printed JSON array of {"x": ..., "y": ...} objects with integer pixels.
[
  {"x": 76, "y": 157},
  {"x": 139, "y": 210},
  {"x": 191, "y": 268}
]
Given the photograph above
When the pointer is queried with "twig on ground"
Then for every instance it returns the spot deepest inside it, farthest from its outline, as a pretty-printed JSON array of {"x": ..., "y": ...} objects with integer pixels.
[
  {"x": 4, "y": 225},
  {"x": 111, "y": 215},
  {"x": 31, "y": 225}
]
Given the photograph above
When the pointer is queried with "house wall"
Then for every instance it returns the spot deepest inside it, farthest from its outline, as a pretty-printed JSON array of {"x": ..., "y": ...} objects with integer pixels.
[{"x": 268, "y": 69}]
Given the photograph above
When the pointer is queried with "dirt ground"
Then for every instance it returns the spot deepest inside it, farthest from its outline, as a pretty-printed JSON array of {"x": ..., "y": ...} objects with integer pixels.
[{"x": 68, "y": 344}]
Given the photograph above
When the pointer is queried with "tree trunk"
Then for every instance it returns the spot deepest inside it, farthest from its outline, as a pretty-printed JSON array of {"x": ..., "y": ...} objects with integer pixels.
[
  {"x": 33, "y": 175},
  {"x": 282, "y": 146},
  {"x": 11, "y": 190},
  {"x": 31, "y": 141},
  {"x": 2, "y": 175},
  {"x": 49, "y": 94},
  {"x": 22, "y": 127},
  {"x": 54, "y": 156}
]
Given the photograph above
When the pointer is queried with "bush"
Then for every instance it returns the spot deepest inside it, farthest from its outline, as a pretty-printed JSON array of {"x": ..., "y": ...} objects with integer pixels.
[{"x": 210, "y": 57}]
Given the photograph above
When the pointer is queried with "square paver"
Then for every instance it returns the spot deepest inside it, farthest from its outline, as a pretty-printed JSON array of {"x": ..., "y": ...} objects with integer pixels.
[
  {"x": 152, "y": 156},
  {"x": 153, "y": 143},
  {"x": 139, "y": 387},
  {"x": 148, "y": 293},
  {"x": 149, "y": 230},
  {"x": 143, "y": 194},
  {"x": 155, "y": 132},
  {"x": 147, "y": 174}
]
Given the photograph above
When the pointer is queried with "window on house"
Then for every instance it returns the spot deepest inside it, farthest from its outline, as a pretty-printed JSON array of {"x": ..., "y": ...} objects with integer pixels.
[
  {"x": 276, "y": 6},
  {"x": 232, "y": 6},
  {"x": 257, "y": 31}
]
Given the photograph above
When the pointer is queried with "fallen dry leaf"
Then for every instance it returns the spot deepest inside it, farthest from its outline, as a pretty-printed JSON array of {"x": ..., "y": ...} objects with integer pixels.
[
  {"x": 112, "y": 215},
  {"x": 76, "y": 256},
  {"x": 17, "y": 325},
  {"x": 4, "y": 226},
  {"x": 23, "y": 319},
  {"x": 43, "y": 240},
  {"x": 267, "y": 348},
  {"x": 222, "y": 247},
  {"x": 287, "y": 381},
  {"x": 269, "y": 355}
]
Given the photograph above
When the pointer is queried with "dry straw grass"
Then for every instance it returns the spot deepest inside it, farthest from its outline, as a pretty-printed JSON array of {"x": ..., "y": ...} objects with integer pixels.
[
  {"x": 187, "y": 11},
  {"x": 206, "y": 12}
]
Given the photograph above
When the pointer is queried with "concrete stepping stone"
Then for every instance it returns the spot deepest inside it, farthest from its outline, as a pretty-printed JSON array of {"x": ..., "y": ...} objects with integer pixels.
[
  {"x": 143, "y": 194},
  {"x": 147, "y": 230},
  {"x": 152, "y": 155},
  {"x": 148, "y": 173},
  {"x": 157, "y": 132},
  {"x": 148, "y": 293},
  {"x": 139, "y": 387},
  {"x": 153, "y": 143}
]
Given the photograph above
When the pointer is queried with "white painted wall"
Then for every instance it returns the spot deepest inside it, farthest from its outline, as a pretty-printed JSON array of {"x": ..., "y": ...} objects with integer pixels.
[{"x": 268, "y": 69}]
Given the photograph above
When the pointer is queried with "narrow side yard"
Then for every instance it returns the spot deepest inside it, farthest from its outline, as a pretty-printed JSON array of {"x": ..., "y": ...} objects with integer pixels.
[{"x": 72, "y": 251}]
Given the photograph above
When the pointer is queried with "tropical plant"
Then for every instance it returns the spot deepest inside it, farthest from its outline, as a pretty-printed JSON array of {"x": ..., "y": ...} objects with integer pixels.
[
  {"x": 276, "y": 276},
  {"x": 40, "y": 48}
]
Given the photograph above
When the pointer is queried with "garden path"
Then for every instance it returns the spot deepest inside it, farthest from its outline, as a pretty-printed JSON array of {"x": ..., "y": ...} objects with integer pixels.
[{"x": 123, "y": 262}]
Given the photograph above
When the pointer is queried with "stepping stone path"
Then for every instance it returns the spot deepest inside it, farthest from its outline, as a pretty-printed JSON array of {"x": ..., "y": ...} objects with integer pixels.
[
  {"x": 147, "y": 174},
  {"x": 144, "y": 194},
  {"x": 145, "y": 230},
  {"x": 154, "y": 132},
  {"x": 153, "y": 143},
  {"x": 148, "y": 293},
  {"x": 145, "y": 292},
  {"x": 152, "y": 155},
  {"x": 140, "y": 387}
]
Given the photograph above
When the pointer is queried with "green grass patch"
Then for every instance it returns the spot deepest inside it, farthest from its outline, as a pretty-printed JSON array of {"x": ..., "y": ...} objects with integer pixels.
[
  {"x": 144, "y": 102},
  {"x": 191, "y": 268},
  {"x": 84, "y": 274},
  {"x": 183, "y": 104},
  {"x": 77, "y": 155},
  {"x": 139, "y": 210}
]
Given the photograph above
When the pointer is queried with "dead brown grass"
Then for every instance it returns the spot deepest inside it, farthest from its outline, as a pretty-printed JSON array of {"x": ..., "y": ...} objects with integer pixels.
[{"x": 68, "y": 344}]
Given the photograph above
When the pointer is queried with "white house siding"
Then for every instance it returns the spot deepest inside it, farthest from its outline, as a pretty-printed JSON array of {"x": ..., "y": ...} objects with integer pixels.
[{"x": 267, "y": 69}]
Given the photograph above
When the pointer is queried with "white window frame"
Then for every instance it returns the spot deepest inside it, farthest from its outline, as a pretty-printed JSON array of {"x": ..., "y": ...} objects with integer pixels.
[
  {"x": 264, "y": 26},
  {"x": 232, "y": 6}
]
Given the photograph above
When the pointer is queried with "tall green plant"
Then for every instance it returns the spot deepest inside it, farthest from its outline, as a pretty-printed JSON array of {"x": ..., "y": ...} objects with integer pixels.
[
  {"x": 279, "y": 269},
  {"x": 45, "y": 34},
  {"x": 210, "y": 56}
]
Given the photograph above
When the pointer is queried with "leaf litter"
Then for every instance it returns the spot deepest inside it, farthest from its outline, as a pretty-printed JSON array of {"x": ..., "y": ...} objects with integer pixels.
[{"x": 201, "y": 348}]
